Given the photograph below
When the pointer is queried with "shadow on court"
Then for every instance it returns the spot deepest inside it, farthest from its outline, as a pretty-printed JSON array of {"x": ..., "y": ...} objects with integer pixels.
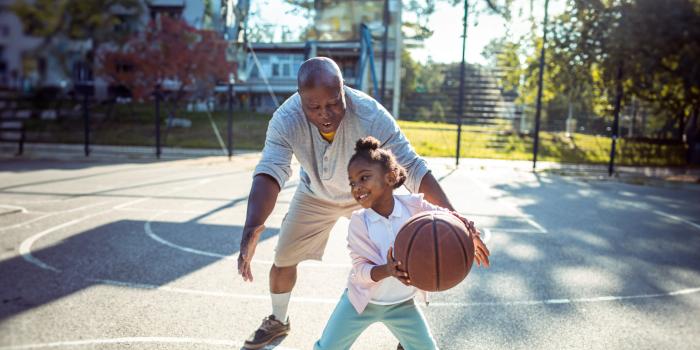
[
  {"x": 118, "y": 253},
  {"x": 596, "y": 246}
]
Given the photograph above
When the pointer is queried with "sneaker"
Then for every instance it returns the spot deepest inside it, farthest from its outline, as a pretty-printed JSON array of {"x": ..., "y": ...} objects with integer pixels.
[{"x": 269, "y": 330}]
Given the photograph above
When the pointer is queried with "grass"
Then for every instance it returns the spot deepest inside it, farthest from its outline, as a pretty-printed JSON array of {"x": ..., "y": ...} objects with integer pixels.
[
  {"x": 439, "y": 140},
  {"x": 134, "y": 125}
]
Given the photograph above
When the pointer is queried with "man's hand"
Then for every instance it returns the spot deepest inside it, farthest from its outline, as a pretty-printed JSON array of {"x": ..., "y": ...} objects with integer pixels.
[
  {"x": 248, "y": 243},
  {"x": 392, "y": 268},
  {"x": 481, "y": 253}
]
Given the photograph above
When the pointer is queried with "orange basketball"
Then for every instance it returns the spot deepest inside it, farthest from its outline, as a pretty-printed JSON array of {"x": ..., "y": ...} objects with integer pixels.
[{"x": 435, "y": 249}]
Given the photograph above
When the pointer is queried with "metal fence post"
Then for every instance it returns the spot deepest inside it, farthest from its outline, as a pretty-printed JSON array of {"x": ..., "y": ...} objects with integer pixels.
[
  {"x": 460, "y": 105},
  {"x": 86, "y": 121},
  {"x": 538, "y": 111},
  {"x": 157, "y": 95},
  {"x": 230, "y": 120},
  {"x": 616, "y": 122}
]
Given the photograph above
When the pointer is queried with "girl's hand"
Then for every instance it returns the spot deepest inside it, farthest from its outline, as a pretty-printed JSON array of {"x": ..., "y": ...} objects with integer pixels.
[
  {"x": 392, "y": 268},
  {"x": 481, "y": 253}
]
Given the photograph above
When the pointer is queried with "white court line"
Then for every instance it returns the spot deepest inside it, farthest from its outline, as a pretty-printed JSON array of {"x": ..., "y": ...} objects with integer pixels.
[
  {"x": 136, "y": 201},
  {"x": 25, "y": 248},
  {"x": 514, "y": 230},
  {"x": 149, "y": 231},
  {"x": 54, "y": 214},
  {"x": 572, "y": 301},
  {"x": 15, "y": 207},
  {"x": 534, "y": 223},
  {"x": 333, "y": 301},
  {"x": 146, "y": 210},
  {"x": 677, "y": 218},
  {"x": 485, "y": 188},
  {"x": 139, "y": 340},
  {"x": 118, "y": 207}
]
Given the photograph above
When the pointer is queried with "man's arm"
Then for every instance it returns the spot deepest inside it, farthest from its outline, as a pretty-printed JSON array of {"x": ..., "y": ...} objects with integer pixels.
[
  {"x": 261, "y": 202},
  {"x": 433, "y": 192}
]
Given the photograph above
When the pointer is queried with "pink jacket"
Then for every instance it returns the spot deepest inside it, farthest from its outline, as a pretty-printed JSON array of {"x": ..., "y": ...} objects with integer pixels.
[{"x": 365, "y": 254}]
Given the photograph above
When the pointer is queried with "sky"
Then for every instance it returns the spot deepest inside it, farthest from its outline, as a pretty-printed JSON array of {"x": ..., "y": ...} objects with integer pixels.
[{"x": 445, "y": 44}]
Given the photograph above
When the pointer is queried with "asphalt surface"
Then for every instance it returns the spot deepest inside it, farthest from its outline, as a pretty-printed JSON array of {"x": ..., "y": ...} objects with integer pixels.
[{"x": 141, "y": 255}]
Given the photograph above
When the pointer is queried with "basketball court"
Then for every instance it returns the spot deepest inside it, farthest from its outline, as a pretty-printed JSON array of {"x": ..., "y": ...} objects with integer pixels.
[{"x": 142, "y": 255}]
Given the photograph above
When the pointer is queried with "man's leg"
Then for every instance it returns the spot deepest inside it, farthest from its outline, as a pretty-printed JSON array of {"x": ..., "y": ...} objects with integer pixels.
[
  {"x": 303, "y": 236},
  {"x": 282, "y": 280}
]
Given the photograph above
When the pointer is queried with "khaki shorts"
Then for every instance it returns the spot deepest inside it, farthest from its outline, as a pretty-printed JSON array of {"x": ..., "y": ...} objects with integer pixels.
[{"x": 305, "y": 228}]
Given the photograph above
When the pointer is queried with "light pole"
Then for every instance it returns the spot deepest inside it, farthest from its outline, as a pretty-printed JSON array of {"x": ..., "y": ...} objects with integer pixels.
[
  {"x": 539, "y": 89},
  {"x": 230, "y": 117},
  {"x": 462, "y": 68}
]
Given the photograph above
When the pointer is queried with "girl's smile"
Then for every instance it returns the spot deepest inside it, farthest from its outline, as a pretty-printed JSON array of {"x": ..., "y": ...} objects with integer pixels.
[{"x": 372, "y": 186}]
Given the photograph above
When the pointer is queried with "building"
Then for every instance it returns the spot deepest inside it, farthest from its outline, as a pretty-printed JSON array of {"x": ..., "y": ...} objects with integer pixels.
[
  {"x": 275, "y": 71},
  {"x": 270, "y": 68},
  {"x": 28, "y": 63}
]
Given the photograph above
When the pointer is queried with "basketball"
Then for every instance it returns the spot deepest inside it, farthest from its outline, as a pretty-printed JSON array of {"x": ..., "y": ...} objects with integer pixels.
[{"x": 435, "y": 249}]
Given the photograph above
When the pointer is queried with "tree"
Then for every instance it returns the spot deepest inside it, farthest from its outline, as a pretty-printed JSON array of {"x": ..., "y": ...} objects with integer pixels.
[
  {"x": 505, "y": 54},
  {"x": 170, "y": 54},
  {"x": 654, "y": 43},
  {"x": 59, "y": 21}
]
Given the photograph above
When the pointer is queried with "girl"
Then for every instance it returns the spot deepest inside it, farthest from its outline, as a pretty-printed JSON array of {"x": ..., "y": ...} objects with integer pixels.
[{"x": 378, "y": 290}]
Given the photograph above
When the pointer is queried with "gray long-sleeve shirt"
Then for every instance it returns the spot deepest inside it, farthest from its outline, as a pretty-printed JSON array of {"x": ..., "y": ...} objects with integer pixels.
[{"x": 324, "y": 165}]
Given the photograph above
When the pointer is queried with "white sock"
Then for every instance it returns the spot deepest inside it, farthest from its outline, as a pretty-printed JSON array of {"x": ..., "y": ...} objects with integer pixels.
[{"x": 280, "y": 302}]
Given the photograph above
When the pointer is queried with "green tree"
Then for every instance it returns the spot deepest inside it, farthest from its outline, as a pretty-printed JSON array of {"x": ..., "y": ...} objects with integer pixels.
[{"x": 654, "y": 44}]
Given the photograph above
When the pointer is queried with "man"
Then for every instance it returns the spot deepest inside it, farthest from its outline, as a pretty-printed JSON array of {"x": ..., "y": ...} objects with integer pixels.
[{"x": 319, "y": 125}]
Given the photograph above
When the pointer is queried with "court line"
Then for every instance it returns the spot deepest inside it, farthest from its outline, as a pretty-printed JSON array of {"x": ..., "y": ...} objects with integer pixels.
[
  {"x": 54, "y": 214},
  {"x": 333, "y": 301},
  {"x": 486, "y": 189},
  {"x": 534, "y": 223},
  {"x": 685, "y": 291},
  {"x": 677, "y": 218},
  {"x": 146, "y": 210},
  {"x": 139, "y": 340},
  {"x": 515, "y": 230},
  {"x": 118, "y": 207},
  {"x": 646, "y": 207},
  {"x": 149, "y": 231},
  {"x": 14, "y": 208},
  {"x": 25, "y": 248}
]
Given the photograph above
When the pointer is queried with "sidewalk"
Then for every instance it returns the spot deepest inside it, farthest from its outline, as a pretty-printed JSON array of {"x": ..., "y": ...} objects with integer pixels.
[
  {"x": 103, "y": 152},
  {"x": 640, "y": 175}
]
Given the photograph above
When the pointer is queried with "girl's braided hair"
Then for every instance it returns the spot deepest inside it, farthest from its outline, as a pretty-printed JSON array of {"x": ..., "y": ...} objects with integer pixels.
[{"x": 367, "y": 148}]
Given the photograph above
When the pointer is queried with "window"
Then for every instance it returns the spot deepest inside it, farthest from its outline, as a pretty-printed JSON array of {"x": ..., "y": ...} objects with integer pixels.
[{"x": 275, "y": 70}]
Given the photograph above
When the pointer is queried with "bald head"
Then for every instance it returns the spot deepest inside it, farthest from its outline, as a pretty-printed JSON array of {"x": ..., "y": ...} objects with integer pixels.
[{"x": 319, "y": 72}]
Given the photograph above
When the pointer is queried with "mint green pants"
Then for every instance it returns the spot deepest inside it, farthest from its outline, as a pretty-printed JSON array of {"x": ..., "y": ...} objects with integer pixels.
[{"x": 404, "y": 320}]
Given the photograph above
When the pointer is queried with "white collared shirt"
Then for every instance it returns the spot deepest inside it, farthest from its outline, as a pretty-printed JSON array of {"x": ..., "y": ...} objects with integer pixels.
[{"x": 383, "y": 231}]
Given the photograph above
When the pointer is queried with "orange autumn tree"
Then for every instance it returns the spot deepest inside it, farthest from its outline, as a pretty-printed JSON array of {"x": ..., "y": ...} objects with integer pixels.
[{"x": 182, "y": 60}]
